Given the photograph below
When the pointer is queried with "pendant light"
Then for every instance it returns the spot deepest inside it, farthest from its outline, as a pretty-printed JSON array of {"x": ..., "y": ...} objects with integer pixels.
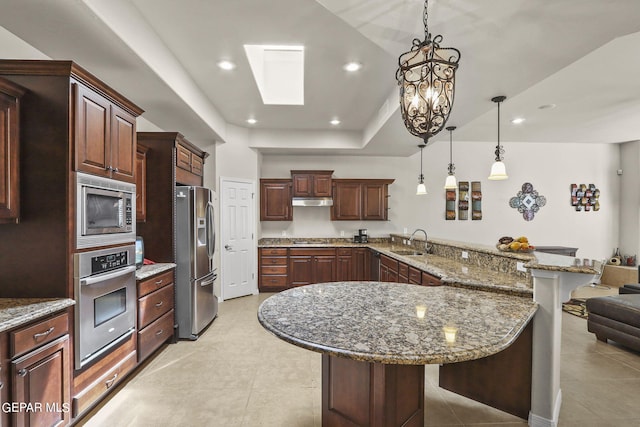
[
  {"x": 498, "y": 169},
  {"x": 450, "y": 183},
  {"x": 421, "y": 189},
  {"x": 426, "y": 76}
]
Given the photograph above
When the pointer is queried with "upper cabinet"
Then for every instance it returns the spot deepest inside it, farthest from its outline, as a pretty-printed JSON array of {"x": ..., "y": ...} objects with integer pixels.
[
  {"x": 275, "y": 200},
  {"x": 10, "y": 95},
  {"x": 311, "y": 183},
  {"x": 189, "y": 162},
  {"x": 360, "y": 199},
  {"x": 105, "y": 136}
]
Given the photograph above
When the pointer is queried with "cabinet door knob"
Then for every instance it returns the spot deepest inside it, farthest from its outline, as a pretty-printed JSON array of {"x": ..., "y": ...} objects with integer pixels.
[
  {"x": 1, "y": 386},
  {"x": 22, "y": 372},
  {"x": 159, "y": 304},
  {"x": 110, "y": 382},
  {"x": 159, "y": 282},
  {"x": 160, "y": 332}
]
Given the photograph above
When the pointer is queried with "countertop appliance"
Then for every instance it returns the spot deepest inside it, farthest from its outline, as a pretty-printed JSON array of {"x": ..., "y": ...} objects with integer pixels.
[
  {"x": 105, "y": 210},
  {"x": 105, "y": 293},
  {"x": 362, "y": 236},
  {"x": 196, "y": 303}
]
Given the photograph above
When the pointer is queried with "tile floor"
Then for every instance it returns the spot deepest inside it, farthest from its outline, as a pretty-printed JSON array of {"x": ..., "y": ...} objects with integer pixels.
[{"x": 237, "y": 374}]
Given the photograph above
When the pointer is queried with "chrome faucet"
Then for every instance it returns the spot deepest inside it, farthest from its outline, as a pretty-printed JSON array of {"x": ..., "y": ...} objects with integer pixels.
[{"x": 427, "y": 248}]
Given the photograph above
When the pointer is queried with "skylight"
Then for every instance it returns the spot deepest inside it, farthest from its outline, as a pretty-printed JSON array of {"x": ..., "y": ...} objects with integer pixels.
[{"x": 278, "y": 72}]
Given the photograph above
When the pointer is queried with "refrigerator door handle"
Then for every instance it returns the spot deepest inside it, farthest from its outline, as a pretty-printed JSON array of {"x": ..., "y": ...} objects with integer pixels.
[{"x": 211, "y": 234}]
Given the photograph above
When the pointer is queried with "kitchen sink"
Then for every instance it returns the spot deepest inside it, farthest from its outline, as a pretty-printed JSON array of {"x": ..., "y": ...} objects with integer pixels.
[{"x": 407, "y": 252}]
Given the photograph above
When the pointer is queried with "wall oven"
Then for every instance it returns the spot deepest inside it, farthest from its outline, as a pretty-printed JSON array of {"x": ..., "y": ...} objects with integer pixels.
[
  {"x": 105, "y": 294},
  {"x": 105, "y": 211}
]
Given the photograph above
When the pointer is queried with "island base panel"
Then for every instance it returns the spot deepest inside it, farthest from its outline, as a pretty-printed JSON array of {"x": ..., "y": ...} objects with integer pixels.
[
  {"x": 356, "y": 393},
  {"x": 502, "y": 380}
]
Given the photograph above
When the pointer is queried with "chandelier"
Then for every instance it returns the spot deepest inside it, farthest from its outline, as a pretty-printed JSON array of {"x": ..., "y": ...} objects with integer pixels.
[{"x": 426, "y": 76}]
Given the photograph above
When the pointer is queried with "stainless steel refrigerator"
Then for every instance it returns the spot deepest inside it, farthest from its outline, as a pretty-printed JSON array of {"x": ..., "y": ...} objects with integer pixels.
[{"x": 196, "y": 303}]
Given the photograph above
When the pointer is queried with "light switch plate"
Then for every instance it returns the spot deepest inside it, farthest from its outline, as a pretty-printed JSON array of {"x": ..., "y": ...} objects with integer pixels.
[{"x": 465, "y": 255}]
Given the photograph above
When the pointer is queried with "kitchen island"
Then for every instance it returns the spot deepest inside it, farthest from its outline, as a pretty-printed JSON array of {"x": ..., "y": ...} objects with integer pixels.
[{"x": 376, "y": 337}]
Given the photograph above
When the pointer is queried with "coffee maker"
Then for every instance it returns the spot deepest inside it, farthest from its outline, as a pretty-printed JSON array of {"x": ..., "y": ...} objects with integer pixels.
[{"x": 362, "y": 236}]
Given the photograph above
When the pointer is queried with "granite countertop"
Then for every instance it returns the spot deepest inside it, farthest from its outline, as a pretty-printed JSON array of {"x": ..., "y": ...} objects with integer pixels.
[
  {"x": 378, "y": 322},
  {"x": 553, "y": 262},
  {"x": 451, "y": 272},
  {"x": 15, "y": 312},
  {"x": 152, "y": 269}
]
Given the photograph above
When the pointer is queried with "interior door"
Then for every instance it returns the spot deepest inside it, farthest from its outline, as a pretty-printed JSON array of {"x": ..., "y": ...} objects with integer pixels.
[{"x": 237, "y": 241}]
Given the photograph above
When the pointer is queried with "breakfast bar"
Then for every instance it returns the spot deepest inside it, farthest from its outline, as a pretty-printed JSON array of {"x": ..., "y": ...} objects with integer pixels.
[{"x": 376, "y": 337}]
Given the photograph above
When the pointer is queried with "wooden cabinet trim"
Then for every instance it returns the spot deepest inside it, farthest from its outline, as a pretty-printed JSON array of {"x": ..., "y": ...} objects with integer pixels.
[{"x": 10, "y": 95}]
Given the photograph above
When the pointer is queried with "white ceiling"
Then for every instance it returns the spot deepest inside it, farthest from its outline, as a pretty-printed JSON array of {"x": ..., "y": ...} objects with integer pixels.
[{"x": 582, "y": 55}]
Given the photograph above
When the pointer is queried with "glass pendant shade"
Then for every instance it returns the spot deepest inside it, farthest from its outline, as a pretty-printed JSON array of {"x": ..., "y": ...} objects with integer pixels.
[
  {"x": 426, "y": 76},
  {"x": 498, "y": 171},
  {"x": 450, "y": 183},
  {"x": 421, "y": 189}
]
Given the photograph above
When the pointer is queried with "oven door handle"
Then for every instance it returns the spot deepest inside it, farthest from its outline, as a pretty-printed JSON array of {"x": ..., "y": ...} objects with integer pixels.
[{"x": 107, "y": 276}]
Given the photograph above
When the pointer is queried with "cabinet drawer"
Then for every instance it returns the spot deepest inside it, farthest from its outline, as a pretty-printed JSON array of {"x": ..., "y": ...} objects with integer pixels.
[
  {"x": 273, "y": 260},
  {"x": 183, "y": 158},
  {"x": 274, "y": 281},
  {"x": 312, "y": 252},
  {"x": 415, "y": 276},
  {"x": 429, "y": 280},
  {"x": 274, "y": 251},
  {"x": 151, "y": 284},
  {"x": 275, "y": 269},
  {"x": 389, "y": 262},
  {"x": 154, "y": 335},
  {"x": 344, "y": 251},
  {"x": 104, "y": 383},
  {"x": 28, "y": 338},
  {"x": 403, "y": 269},
  {"x": 154, "y": 305}
]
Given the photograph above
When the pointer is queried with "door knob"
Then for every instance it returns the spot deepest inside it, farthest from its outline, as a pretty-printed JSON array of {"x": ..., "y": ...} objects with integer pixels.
[{"x": 227, "y": 247}]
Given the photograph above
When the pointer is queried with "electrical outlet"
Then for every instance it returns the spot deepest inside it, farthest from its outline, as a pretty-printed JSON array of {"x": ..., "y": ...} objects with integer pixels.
[
  {"x": 465, "y": 270},
  {"x": 341, "y": 233},
  {"x": 284, "y": 233},
  {"x": 405, "y": 242},
  {"x": 465, "y": 255},
  {"x": 520, "y": 266},
  {"x": 404, "y": 231}
]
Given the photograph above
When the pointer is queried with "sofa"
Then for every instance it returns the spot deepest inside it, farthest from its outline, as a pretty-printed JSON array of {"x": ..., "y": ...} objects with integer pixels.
[
  {"x": 616, "y": 317},
  {"x": 629, "y": 289}
]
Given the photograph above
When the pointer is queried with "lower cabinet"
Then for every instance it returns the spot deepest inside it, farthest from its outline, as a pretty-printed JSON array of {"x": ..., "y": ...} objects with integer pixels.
[
  {"x": 40, "y": 373},
  {"x": 388, "y": 269},
  {"x": 430, "y": 280},
  {"x": 311, "y": 265},
  {"x": 273, "y": 269},
  {"x": 361, "y": 264},
  {"x": 155, "y": 312},
  {"x": 345, "y": 270}
]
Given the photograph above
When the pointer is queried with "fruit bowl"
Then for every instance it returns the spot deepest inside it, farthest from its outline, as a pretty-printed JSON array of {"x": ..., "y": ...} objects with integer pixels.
[
  {"x": 518, "y": 245},
  {"x": 520, "y": 251}
]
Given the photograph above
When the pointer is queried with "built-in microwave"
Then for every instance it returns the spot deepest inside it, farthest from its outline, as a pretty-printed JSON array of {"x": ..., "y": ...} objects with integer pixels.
[{"x": 105, "y": 211}]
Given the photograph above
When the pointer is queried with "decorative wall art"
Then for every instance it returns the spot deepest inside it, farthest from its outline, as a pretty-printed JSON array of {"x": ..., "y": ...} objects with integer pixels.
[
  {"x": 585, "y": 197},
  {"x": 450, "y": 204},
  {"x": 464, "y": 197},
  {"x": 527, "y": 201},
  {"x": 463, "y": 200},
  {"x": 476, "y": 201}
]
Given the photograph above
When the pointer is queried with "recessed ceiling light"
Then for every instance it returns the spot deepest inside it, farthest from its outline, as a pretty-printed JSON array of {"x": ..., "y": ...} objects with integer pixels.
[
  {"x": 352, "y": 66},
  {"x": 518, "y": 120},
  {"x": 335, "y": 122},
  {"x": 226, "y": 65},
  {"x": 252, "y": 121},
  {"x": 547, "y": 106}
]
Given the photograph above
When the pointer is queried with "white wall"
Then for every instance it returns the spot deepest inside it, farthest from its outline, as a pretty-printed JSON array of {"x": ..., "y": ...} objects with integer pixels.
[{"x": 551, "y": 168}]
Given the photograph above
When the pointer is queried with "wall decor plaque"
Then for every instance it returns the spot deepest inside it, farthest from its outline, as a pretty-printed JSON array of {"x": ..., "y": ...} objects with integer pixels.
[
  {"x": 585, "y": 197},
  {"x": 528, "y": 202}
]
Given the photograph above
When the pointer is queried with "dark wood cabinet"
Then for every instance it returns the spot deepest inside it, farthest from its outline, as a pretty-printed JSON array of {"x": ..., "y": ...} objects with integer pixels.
[
  {"x": 10, "y": 95},
  {"x": 105, "y": 136},
  {"x": 312, "y": 265},
  {"x": 360, "y": 199},
  {"x": 308, "y": 183},
  {"x": 41, "y": 372},
  {"x": 273, "y": 267},
  {"x": 415, "y": 276},
  {"x": 141, "y": 183},
  {"x": 155, "y": 312},
  {"x": 345, "y": 269},
  {"x": 361, "y": 264},
  {"x": 388, "y": 269},
  {"x": 430, "y": 280},
  {"x": 163, "y": 175},
  {"x": 189, "y": 162},
  {"x": 275, "y": 200},
  {"x": 403, "y": 273}
]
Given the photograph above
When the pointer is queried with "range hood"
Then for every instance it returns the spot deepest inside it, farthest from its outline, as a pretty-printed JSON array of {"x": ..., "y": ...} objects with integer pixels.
[{"x": 311, "y": 201}]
